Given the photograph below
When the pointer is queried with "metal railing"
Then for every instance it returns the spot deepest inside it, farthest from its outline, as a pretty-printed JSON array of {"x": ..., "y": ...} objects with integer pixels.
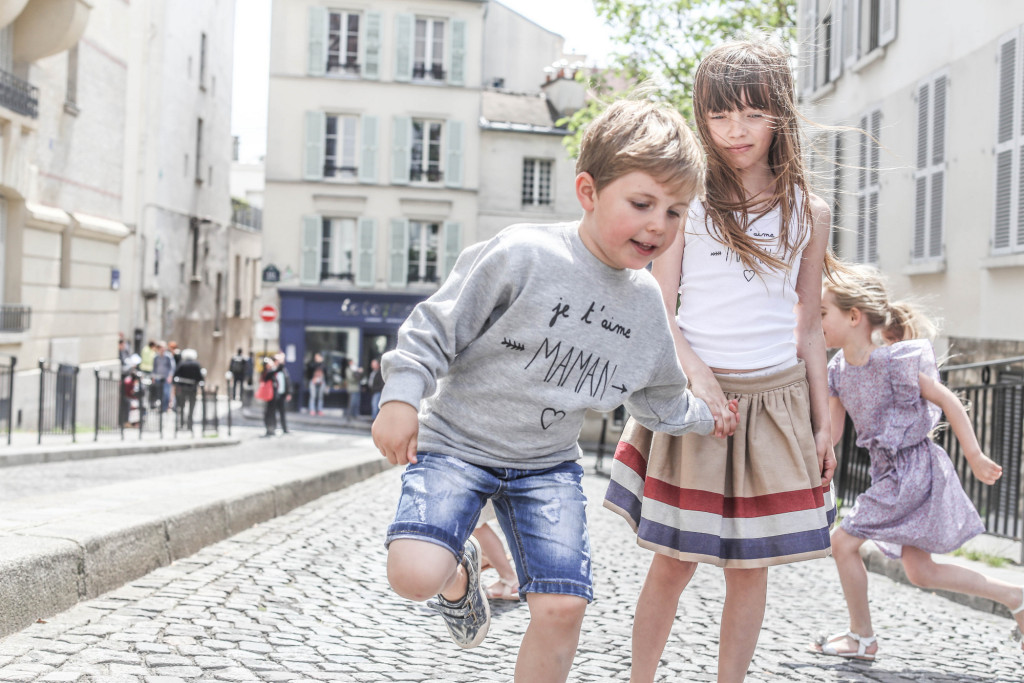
[
  {"x": 7, "y": 393},
  {"x": 247, "y": 216},
  {"x": 18, "y": 95},
  {"x": 111, "y": 412},
  {"x": 996, "y": 410},
  {"x": 58, "y": 398},
  {"x": 15, "y": 317}
]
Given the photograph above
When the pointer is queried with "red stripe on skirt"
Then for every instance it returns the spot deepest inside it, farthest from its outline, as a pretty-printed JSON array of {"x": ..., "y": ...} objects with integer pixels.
[
  {"x": 742, "y": 507},
  {"x": 631, "y": 458}
]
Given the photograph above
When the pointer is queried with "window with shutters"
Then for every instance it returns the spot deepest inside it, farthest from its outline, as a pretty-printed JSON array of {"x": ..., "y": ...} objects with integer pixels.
[
  {"x": 868, "y": 186},
  {"x": 930, "y": 171},
  {"x": 343, "y": 42},
  {"x": 1008, "y": 228},
  {"x": 537, "y": 182},
  {"x": 428, "y": 49},
  {"x": 423, "y": 246},
  {"x": 425, "y": 151},
  {"x": 341, "y": 146},
  {"x": 337, "y": 249}
]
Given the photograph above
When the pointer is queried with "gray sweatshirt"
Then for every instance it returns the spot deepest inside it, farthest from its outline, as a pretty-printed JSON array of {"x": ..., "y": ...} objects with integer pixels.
[{"x": 529, "y": 331}]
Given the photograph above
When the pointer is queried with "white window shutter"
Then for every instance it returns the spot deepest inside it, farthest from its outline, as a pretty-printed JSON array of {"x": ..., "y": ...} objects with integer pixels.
[
  {"x": 806, "y": 32},
  {"x": 367, "y": 250},
  {"x": 921, "y": 174},
  {"x": 317, "y": 41},
  {"x": 1004, "y": 185},
  {"x": 309, "y": 266},
  {"x": 401, "y": 153},
  {"x": 316, "y": 123},
  {"x": 457, "y": 63},
  {"x": 876, "y": 134},
  {"x": 368, "y": 160},
  {"x": 452, "y": 246},
  {"x": 872, "y": 237},
  {"x": 851, "y": 32},
  {"x": 936, "y": 199},
  {"x": 920, "y": 211},
  {"x": 835, "y": 69},
  {"x": 371, "y": 47},
  {"x": 862, "y": 158},
  {"x": 404, "y": 24},
  {"x": 453, "y": 162},
  {"x": 888, "y": 11},
  {"x": 862, "y": 224},
  {"x": 398, "y": 253},
  {"x": 1007, "y": 128}
]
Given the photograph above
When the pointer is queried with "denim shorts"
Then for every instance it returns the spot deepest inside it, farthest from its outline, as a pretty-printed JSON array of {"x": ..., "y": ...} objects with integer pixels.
[{"x": 542, "y": 512}]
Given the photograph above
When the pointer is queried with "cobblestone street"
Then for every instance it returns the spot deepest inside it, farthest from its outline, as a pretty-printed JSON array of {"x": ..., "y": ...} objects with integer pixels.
[{"x": 303, "y": 597}]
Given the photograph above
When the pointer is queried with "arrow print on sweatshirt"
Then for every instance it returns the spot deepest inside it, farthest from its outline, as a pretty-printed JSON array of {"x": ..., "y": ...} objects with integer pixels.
[
  {"x": 514, "y": 345},
  {"x": 621, "y": 388}
]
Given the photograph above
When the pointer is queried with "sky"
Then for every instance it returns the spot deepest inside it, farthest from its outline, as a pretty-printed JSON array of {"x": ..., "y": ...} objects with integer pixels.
[{"x": 575, "y": 20}]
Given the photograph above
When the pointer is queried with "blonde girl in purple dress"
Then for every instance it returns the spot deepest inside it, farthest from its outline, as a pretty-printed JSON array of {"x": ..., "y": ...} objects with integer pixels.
[{"x": 915, "y": 505}]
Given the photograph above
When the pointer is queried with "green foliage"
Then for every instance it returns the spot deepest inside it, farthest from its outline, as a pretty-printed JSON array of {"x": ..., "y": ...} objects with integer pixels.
[
  {"x": 663, "y": 40},
  {"x": 979, "y": 556}
]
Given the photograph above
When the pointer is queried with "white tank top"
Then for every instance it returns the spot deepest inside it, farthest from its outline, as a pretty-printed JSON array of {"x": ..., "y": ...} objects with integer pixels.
[{"x": 733, "y": 318}]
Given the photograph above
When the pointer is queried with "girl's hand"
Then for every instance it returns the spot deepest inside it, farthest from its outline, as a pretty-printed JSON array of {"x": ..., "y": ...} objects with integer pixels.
[
  {"x": 826, "y": 456},
  {"x": 985, "y": 469},
  {"x": 705, "y": 387}
]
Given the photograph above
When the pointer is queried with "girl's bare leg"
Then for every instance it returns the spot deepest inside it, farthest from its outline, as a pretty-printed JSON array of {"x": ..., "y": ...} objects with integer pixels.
[{"x": 655, "y": 612}]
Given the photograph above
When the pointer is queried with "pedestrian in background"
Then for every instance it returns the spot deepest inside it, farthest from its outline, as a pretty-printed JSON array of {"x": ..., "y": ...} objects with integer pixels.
[
  {"x": 188, "y": 376},
  {"x": 175, "y": 352},
  {"x": 495, "y": 425},
  {"x": 315, "y": 383},
  {"x": 915, "y": 505},
  {"x": 353, "y": 385},
  {"x": 146, "y": 358},
  {"x": 163, "y": 375},
  {"x": 236, "y": 366},
  {"x": 123, "y": 354},
  {"x": 375, "y": 383},
  {"x": 275, "y": 371},
  {"x": 132, "y": 390}
]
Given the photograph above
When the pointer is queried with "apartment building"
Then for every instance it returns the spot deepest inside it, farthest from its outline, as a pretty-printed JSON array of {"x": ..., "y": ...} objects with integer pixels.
[
  {"x": 398, "y": 134},
  {"x": 933, "y": 196}
]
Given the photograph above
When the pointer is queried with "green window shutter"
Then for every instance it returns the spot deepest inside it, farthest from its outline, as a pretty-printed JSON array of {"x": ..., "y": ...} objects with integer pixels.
[
  {"x": 401, "y": 135},
  {"x": 403, "y": 46},
  {"x": 453, "y": 141},
  {"x": 314, "y": 162},
  {"x": 368, "y": 163},
  {"x": 452, "y": 246},
  {"x": 457, "y": 67},
  {"x": 309, "y": 267},
  {"x": 398, "y": 253},
  {"x": 317, "y": 41},
  {"x": 371, "y": 47},
  {"x": 367, "y": 241}
]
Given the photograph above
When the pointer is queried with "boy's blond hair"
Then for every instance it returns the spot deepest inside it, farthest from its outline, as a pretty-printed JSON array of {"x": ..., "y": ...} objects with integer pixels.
[{"x": 641, "y": 135}]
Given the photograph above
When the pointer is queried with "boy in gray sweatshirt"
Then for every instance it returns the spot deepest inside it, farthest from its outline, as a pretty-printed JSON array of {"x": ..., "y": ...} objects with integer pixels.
[{"x": 487, "y": 389}]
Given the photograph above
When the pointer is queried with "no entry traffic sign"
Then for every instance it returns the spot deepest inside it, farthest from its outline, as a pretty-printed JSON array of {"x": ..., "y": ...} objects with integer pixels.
[{"x": 268, "y": 313}]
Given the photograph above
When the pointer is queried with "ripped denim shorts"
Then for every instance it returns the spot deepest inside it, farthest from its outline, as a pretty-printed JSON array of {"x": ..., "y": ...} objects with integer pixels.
[{"x": 542, "y": 512}]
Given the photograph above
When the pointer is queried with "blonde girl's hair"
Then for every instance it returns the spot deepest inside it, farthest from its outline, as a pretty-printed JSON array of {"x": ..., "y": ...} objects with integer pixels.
[
  {"x": 864, "y": 288},
  {"x": 753, "y": 73},
  {"x": 642, "y": 135}
]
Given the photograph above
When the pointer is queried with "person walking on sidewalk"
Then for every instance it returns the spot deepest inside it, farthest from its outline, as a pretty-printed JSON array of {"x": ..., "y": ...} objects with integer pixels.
[
  {"x": 353, "y": 385},
  {"x": 187, "y": 378},
  {"x": 315, "y": 381},
  {"x": 237, "y": 369},
  {"x": 915, "y": 505},
  {"x": 531, "y": 329},
  {"x": 275, "y": 371},
  {"x": 375, "y": 383},
  {"x": 163, "y": 374}
]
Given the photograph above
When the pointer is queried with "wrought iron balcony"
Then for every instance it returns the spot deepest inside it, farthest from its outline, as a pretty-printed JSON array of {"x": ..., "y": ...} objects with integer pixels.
[
  {"x": 15, "y": 317},
  {"x": 248, "y": 216},
  {"x": 18, "y": 95}
]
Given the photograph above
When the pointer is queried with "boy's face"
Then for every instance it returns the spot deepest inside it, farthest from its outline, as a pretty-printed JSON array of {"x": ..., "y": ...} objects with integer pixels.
[{"x": 631, "y": 221}]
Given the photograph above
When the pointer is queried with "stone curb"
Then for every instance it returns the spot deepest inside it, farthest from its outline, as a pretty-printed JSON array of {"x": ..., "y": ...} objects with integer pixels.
[
  {"x": 58, "y": 549},
  {"x": 36, "y": 455}
]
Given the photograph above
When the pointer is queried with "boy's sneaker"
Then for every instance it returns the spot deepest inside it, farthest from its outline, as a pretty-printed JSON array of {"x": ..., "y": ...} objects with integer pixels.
[{"x": 467, "y": 620}]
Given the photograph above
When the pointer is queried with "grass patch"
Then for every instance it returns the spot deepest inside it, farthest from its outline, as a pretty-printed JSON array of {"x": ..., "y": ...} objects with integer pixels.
[{"x": 979, "y": 556}]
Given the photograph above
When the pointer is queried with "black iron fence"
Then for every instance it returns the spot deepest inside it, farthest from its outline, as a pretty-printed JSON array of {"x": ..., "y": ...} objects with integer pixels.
[
  {"x": 58, "y": 399},
  {"x": 18, "y": 95},
  {"x": 7, "y": 393},
  {"x": 15, "y": 317},
  {"x": 994, "y": 394}
]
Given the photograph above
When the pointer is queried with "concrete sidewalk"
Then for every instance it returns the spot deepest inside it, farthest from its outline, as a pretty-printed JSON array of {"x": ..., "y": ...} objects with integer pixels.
[{"x": 58, "y": 549}]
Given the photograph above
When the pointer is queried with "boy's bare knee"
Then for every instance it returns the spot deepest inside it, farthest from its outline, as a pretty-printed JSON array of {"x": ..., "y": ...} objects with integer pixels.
[
  {"x": 418, "y": 570},
  {"x": 557, "y": 611}
]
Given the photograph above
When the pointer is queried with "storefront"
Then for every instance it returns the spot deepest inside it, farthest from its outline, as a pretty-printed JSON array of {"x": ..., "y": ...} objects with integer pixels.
[{"x": 341, "y": 326}]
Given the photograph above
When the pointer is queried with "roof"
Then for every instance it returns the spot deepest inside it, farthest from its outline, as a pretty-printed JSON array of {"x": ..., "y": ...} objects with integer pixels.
[{"x": 510, "y": 111}]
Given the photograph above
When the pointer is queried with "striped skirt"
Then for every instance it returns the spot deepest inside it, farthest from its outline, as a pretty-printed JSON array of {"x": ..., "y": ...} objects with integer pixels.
[{"x": 752, "y": 500}]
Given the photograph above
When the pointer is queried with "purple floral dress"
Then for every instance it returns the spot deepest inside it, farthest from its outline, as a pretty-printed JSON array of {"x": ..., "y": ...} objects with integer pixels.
[{"x": 915, "y": 497}]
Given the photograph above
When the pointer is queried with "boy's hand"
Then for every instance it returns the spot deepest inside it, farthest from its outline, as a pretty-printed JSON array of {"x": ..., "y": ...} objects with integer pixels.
[
  {"x": 394, "y": 432},
  {"x": 985, "y": 469},
  {"x": 724, "y": 429}
]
